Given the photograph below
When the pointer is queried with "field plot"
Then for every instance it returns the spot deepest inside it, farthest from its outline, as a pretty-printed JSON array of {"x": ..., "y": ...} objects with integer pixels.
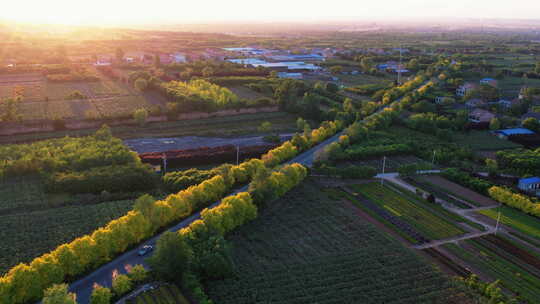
[
  {"x": 245, "y": 92},
  {"x": 166, "y": 294},
  {"x": 22, "y": 193},
  {"x": 516, "y": 219},
  {"x": 483, "y": 141},
  {"x": 122, "y": 106},
  {"x": 310, "y": 248},
  {"x": 27, "y": 235},
  {"x": 497, "y": 257},
  {"x": 31, "y": 86},
  {"x": 422, "y": 218},
  {"x": 392, "y": 162},
  {"x": 442, "y": 184}
]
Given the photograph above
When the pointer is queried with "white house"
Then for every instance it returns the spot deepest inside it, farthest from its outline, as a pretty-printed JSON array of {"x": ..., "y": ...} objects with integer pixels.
[
  {"x": 290, "y": 75},
  {"x": 462, "y": 90},
  {"x": 179, "y": 57}
]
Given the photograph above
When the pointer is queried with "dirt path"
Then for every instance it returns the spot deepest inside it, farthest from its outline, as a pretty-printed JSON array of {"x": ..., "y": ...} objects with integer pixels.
[{"x": 455, "y": 239}]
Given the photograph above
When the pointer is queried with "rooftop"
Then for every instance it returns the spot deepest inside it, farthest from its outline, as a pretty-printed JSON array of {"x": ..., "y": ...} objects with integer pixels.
[
  {"x": 514, "y": 131},
  {"x": 530, "y": 180}
]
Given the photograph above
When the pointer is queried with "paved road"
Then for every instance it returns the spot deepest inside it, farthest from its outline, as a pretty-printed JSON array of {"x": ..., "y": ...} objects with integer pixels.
[
  {"x": 102, "y": 276},
  {"x": 144, "y": 145}
]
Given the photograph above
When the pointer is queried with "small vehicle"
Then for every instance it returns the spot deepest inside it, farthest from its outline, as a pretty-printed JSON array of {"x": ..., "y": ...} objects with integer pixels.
[{"x": 145, "y": 249}]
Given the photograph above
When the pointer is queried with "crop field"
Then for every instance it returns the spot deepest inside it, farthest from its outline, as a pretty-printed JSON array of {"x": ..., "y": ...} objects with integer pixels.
[
  {"x": 516, "y": 219},
  {"x": 510, "y": 86},
  {"x": 245, "y": 92},
  {"x": 165, "y": 294},
  {"x": 392, "y": 162},
  {"x": 121, "y": 106},
  {"x": 483, "y": 141},
  {"x": 91, "y": 89},
  {"x": 24, "y": 194},
  {"x": 413, "y": 212},
  {"x": 27, "y": 235},
  {"x": 458, "y": 191},
  {"x": 310, "y": 248},
  {"x": 234, "y": 125},
  {"x": 499, "y": 258},
  {"x": 424, "y": 184}
]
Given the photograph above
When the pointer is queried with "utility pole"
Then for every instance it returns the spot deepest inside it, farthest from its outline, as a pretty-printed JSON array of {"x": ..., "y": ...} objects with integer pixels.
[
  {"x": 383, "y": 167},
  {"x": 399, "y": 67},
  {"x": 498, "y": 220},
  {"x": 433, "y": 159},
  {"x": 237, "y": 154}
]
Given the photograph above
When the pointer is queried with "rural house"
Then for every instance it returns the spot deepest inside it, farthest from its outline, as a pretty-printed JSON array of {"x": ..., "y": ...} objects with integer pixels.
[
  {"x": 464, "y": 89},
  {"x": 481, "y": 116},
  {"x": 530, "y": 185},
  {"x": 489, "y": 81}
]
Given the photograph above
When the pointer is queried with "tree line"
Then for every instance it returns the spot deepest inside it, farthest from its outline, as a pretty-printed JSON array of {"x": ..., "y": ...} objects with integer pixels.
[{"x": 26, "y": 282}]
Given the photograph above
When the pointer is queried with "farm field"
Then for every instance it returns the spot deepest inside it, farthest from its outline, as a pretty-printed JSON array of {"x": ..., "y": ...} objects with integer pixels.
[
  {"x": 310, "y": 248},
  {"x": 413, "y": 212},
  {"x": 392, "y": 162},
  {"x": 27, "y": 235},
  {"x": 165, "y": 294},
  {"x": 361, "y": 79},
  {"x": 516, "y": 219},
  {"x": 245, "y": 92},
  {"x": 483, "y": 141},
  {"x": 26, "y": 193},
  {"x": 219, "y": 126},
  {"x": 518, "y": 270},
  {"x": 424, "y": 184},
  {"x": 457, "y": 190}
]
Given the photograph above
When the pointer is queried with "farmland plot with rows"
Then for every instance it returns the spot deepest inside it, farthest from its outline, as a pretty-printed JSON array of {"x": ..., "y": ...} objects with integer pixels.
[
  {"x": 517, "y": 268},
  {"x": 310, "y": 248},
  {"x": 412, "y": 211},
  {"x": 166, "y": 294},
  {"x": 28, "y": 235}
]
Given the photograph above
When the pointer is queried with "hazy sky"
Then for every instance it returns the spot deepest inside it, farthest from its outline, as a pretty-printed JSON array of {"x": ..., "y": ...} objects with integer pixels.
[{"x": 156, "y": 11}]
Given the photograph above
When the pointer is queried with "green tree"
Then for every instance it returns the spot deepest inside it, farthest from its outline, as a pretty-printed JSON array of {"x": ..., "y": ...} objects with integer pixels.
[
  {"x": 273, "y": 74},
  {"x": 336, "y": 69},
  {"x": 145, "y": 205},
  {"x": 141, "y": 84},
  {"x": 301, "y": 124},
  {"x": 348, "y": 105},
  {"x": 58, "y": 294},
  {"x": 140, "y": 116},
  {"x": 332, "y": 87},
  {"x": 265, "y": 127},
  {"x": 171, "y": 257},
  {"x": 100, "y": 295},
  {"x": 121, "y": 284},
  {"x": 413, "y": 64},
  {"x": 138, "y": 273},
  {"x": 531, "y": 123},
  {"x": 494, "y": 124},
  {"x": 537, "y": 69}
]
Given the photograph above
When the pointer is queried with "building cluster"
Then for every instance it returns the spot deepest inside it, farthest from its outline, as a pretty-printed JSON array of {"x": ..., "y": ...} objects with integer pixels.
[{"x": 286, "y": 63}]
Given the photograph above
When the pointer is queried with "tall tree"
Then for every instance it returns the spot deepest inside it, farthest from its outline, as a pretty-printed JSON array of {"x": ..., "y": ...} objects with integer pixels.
[
  {"x": 58, "y": 294},
  {"x": 171, "y": 257}
]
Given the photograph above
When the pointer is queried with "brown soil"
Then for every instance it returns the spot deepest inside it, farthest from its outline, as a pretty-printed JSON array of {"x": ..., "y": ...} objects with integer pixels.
[{"x": 458, "y": 190}]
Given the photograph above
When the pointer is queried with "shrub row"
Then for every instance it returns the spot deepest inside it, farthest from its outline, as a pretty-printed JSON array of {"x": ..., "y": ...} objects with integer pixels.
[
  {"x": 115, "y": 178},
  {"x": 351, "y": 171},
  {"x": 464, "y": 179},
  {"x": 515, "y": 200},
  {"x": 26, "y": 282}
]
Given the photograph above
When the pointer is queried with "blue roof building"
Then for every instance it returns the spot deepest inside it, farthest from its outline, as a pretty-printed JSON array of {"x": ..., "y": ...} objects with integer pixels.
[
  {"x": 516, "y": 131},
  {"x": 530, "y": 184}
]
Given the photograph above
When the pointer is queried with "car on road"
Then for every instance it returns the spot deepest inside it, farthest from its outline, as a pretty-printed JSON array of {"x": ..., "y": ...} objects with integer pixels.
[{"x": 145, "y": 249}]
